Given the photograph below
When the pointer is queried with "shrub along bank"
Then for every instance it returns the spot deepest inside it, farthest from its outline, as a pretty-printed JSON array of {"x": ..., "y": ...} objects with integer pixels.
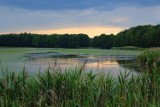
[{"x": 150, "y": 59}]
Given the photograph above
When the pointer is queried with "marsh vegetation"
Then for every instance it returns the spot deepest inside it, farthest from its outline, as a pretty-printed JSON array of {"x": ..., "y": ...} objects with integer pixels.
[
  {"x": 78, "y": 87},
  {"x": 75, "y": 88}
]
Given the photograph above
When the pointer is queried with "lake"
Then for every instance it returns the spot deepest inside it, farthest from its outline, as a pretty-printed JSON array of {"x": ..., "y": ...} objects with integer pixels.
[{"x": 36, "y": 60}]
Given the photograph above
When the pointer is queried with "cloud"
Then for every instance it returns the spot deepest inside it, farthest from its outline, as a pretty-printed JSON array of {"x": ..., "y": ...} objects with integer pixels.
[
  {"x": 76, "y": 4},
  {"x": 14, "y": 19},
  {"x": 120, "y": 20}
]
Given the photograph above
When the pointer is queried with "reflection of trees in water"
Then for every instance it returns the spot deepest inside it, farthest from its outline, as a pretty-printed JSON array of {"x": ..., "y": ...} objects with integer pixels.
[{"x": 129, "y": 64}]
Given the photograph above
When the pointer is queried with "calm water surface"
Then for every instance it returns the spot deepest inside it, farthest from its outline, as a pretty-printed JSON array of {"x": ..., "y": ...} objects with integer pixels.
[
  {"x": 39, "y": 62},
  {"x": 35, "y": 65}
]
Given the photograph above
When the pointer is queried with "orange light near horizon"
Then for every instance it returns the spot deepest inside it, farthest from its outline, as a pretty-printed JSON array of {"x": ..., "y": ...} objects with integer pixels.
[{"x": 91, "y": 31}]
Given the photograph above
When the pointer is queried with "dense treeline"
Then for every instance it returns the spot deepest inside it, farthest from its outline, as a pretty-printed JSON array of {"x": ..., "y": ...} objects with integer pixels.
[
  {"x": 103, "y": 41},
  {"x": 51, "y": 41},
  {"x": 140, "y": 36}
]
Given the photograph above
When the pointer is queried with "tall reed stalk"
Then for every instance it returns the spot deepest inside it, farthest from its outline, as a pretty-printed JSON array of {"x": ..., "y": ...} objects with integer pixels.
[{"x": 74, "y": 88}]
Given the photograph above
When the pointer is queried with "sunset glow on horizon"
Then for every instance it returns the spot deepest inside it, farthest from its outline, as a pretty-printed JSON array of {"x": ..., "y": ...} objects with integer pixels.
[{"x": 90, "y": 31}]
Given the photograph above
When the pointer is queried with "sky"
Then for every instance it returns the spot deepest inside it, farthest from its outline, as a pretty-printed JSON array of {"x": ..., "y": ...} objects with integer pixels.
[{"x": 92, "y": 17}]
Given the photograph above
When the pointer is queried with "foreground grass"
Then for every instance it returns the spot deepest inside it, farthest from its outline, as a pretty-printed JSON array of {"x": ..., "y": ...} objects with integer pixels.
[{"x": 74, "y": 88}]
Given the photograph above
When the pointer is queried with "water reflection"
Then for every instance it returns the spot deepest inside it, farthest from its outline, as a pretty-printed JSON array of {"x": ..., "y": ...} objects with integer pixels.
[{"x": 106, "y": 66}]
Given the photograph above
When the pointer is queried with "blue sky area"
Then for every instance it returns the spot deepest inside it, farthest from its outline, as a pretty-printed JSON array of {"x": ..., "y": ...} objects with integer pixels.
[
  {"x": 76, "y": 4},
  {"x": 76, "y": 16}
]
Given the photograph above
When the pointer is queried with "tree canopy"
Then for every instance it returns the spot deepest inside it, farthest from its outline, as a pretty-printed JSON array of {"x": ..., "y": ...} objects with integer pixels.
[{"x": 50, "y": 41}]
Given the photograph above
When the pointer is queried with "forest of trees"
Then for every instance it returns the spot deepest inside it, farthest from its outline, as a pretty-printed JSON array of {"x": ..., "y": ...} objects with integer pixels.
[
  {"x": 140, "y": 36},
  {"x": 50, "y": 41}
]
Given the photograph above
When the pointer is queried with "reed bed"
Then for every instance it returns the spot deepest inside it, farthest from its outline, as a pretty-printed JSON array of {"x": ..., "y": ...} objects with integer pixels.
[
  {"x": 150, "y": 59},
  {"x": 75, "y": 88}
]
